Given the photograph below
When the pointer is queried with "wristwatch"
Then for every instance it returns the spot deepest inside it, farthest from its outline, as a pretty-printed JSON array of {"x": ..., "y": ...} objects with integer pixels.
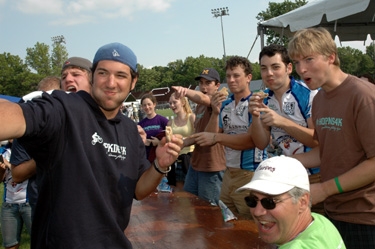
[{"x": 157, "y": 167}]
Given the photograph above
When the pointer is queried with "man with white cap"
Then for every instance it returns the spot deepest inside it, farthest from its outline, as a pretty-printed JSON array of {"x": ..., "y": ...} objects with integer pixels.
[
  {"x": 92, "y": 156},
  {"x": 279, "y": 201}
]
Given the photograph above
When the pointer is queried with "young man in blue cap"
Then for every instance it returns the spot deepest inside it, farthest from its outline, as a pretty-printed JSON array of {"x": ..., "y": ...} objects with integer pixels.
[{"x": 91, "y": 155}]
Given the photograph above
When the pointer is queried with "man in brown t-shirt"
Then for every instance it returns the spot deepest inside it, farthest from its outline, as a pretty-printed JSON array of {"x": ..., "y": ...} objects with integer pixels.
[
  {"x": 204, "y": 176},
  {"x": 343, "y": 114}
]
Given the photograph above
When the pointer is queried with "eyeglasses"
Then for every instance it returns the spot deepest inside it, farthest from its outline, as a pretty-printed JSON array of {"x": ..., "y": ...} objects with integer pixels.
[{"x": 267, "y": 203}]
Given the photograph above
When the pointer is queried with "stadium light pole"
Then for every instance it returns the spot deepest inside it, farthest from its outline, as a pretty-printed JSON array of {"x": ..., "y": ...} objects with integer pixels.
[
  {"x": 57, "y": 54},
  {"x": 221, "y": 12},
  {"x": 58, "y": 39}
]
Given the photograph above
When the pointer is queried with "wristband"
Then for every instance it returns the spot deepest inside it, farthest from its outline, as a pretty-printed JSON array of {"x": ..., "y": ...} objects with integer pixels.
[
  {"x": 214, "y": 139},
  {"x": 156, "y": 166},
  {"x": 338, "y": 185}
]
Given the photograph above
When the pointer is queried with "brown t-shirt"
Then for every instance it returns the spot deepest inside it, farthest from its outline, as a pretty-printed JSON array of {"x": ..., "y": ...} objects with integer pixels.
[
  {"x": 344, "y": 121},
  {"x": 206, "y": 158}
]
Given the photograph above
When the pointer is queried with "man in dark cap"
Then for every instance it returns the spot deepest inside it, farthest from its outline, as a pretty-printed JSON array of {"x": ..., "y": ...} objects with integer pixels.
[
  {"x": 76, "y": 75},
  {"x": 230, "y": 122},
  {"x": 92, "y": 156},
  {"x": 205, "y": 175}
]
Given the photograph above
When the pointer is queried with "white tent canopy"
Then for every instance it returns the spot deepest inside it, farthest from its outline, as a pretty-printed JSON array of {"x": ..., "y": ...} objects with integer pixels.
[{"x": 350, "y": 20}]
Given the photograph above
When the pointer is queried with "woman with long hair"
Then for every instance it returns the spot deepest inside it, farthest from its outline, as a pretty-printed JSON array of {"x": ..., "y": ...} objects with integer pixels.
[{"x": 183, "y": 124}]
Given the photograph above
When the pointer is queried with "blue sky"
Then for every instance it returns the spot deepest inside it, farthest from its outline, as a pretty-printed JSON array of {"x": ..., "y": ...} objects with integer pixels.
[{"x": 158, "y": 31}]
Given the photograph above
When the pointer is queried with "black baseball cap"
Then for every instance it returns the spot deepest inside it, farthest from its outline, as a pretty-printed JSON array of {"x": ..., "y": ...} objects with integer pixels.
[
  {"x": 209, "y": 74},
  {"x": 77, "y": 62}
]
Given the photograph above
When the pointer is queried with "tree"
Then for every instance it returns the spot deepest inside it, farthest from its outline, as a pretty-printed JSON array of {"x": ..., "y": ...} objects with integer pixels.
[
  {"x": 58, "y": 56},
  {"x": 370, "y": 51},
  {"x": 185, "y": 71},
  {"x": 276, "y": 9},
  {"x": 148, "y": 79},
  {"x": 256, "y": 71},
  {"x": 192, "y": 67},
  {"x": 353, "y": 61},
  {"x": 39, "y": 59},
  {"x": 166, "y": 76},
  {"x": 15, "y": 77},
  {"x": 18, "y": 78},
  {"x": 181, "y": 73}
]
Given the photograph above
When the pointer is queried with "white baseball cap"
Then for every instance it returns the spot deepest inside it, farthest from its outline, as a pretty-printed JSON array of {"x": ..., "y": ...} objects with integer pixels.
[{"x": 278, "y": 175}]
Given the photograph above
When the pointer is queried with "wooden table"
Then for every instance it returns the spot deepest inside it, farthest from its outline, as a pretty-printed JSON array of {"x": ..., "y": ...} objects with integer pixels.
[{"x": 182, "y": 220}]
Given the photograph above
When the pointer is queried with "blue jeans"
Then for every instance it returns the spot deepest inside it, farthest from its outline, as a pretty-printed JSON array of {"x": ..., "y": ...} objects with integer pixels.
[
  {"x": 206, "y": 185},
  {"x": 13, "y": 216}
]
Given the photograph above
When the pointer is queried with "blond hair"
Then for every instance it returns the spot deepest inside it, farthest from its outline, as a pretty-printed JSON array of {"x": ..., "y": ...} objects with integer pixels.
[
  {"x": 311, "y": 41},
  {"x": 49, "y": 83},
  {"x": 185, "y": 103}
]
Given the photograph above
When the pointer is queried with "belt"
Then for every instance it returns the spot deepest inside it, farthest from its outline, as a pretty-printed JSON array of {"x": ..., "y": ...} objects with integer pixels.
[
  {"x": 234, "y": 169},
  {"x": 16, "y": 204}
]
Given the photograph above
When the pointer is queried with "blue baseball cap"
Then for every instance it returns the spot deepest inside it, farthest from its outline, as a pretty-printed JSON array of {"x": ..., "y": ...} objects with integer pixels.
[{"x": 116, "y": 52}]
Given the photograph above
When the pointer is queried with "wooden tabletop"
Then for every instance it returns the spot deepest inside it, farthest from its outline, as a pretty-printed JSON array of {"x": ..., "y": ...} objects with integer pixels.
[{"x": 180, "y": 219}]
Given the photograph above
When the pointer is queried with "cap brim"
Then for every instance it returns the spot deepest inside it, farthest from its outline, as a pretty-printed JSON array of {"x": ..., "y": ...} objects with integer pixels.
[
  {"x": 204, "y": 76},
  {"x": 267, "y": 187}
]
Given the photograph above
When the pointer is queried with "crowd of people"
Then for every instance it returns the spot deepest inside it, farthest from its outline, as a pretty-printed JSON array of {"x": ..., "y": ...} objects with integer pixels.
[
  {"x": 296, "y": 158},
  {"x": 90, "y": 157},
  {"x": 132, "y": 111}
]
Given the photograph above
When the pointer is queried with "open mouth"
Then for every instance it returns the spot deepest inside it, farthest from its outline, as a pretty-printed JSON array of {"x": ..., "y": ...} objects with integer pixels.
[
  {"x": 265, "y": 226},
  {"x": 307, "y": 80},
  {"x": 71, "y": 89}
]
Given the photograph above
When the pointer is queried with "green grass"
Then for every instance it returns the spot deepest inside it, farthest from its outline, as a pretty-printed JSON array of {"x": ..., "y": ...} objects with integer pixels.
[
  {"x": 25, "y": 237},
  {"x": 165, "y": 112}
]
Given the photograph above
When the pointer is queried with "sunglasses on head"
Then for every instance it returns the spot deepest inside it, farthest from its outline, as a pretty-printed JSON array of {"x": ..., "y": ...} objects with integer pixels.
[{"x": 267, "y": 202}]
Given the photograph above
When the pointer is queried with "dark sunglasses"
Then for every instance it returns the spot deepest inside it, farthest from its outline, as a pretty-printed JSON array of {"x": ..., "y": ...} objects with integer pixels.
[{"x": 268, "y": 203}]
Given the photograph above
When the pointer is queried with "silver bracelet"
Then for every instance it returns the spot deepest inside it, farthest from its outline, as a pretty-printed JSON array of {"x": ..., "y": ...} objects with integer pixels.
[{"x": 157, "y": 167}]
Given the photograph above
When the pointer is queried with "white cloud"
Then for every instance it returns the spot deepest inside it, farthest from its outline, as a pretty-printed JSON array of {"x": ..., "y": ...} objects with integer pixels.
[
  {"x": 83, "y": 11},
  {"x": 156, "y": 5},
  {"x": 74, "y": 20},
  {"x": 51, "y": 7}
]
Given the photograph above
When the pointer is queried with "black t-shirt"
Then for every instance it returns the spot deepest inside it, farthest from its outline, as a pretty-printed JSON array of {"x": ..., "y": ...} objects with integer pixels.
[
  {"x": 18, "y": 156},
  {"x": 90, "y": 165}
]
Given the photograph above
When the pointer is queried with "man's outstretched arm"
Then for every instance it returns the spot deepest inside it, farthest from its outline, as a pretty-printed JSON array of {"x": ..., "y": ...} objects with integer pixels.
[{"x": 12, "y": 121}]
